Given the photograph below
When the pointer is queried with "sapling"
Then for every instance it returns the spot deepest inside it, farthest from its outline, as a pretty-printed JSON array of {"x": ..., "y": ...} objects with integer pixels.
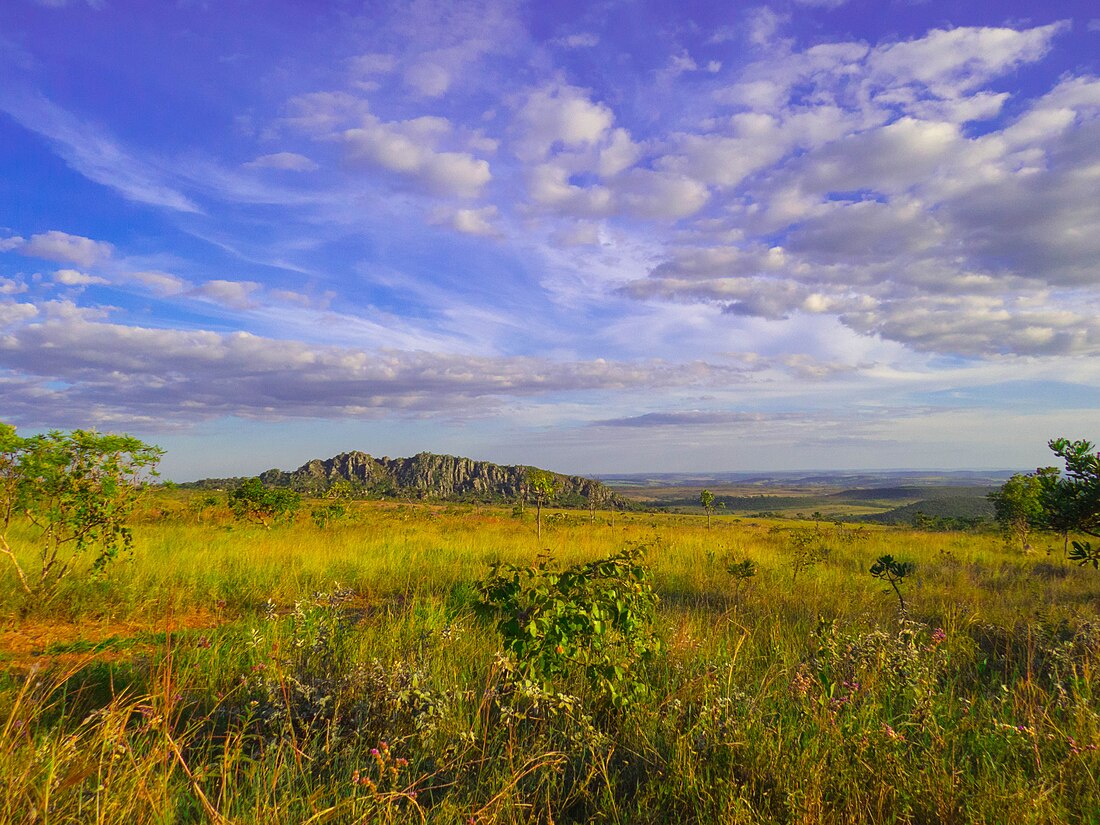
[
  {"x": 894, "y": 572},
  {"x": 706, "y": 498},
  {"x": 741, "y": 571}
]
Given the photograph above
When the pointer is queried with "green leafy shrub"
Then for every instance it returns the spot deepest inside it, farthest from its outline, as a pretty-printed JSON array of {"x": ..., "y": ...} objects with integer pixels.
[
  {"x": 77, "y": 490},
  {"x": 254, "y": 502},
  {"x": 595, "y": 618},
  {"x": 327, "y": 514}
]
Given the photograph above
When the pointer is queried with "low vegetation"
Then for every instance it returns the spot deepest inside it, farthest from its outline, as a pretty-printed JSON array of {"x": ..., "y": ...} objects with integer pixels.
[{"x": 419, "y": 662}]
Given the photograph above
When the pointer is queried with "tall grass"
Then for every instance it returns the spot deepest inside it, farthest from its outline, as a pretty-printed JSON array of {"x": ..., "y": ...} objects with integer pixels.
[{"x": 235, "y": 674}]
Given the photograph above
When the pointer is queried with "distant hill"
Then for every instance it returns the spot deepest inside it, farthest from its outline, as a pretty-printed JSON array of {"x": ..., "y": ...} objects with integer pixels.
[
  {"x": 425, "y": 476},
  {"x": 966, "y": 506}
]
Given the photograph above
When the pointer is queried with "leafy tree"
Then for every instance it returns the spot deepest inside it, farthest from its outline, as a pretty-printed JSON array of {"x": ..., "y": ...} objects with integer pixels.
[
  {"x": 541, "y": 486},
  {"x": 340, "y": 490},
  {"x": 1018, "y": 507},
  {"x": 1071, "y": 502},
  {"x": 706, "y": 498},
  {"x": 77, "y": 490},
  {"x": 252, "y": 501}
]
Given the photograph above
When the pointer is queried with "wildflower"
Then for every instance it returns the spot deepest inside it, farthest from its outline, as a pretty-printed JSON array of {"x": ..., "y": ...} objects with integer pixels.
[
  {"x": 938, "y": 636},
  {"x": 893, "y": 734}
]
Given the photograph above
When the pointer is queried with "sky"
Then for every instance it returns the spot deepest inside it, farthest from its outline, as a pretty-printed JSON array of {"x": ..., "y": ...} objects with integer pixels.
[{"x": 598, "y": 237}]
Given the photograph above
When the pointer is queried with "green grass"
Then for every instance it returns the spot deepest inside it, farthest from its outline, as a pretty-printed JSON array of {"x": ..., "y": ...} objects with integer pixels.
[{"x": 808, "y": 700}]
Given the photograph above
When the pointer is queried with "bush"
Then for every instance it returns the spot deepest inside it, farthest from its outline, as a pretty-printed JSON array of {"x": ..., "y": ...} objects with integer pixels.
[{"x": 595, "y": 618}]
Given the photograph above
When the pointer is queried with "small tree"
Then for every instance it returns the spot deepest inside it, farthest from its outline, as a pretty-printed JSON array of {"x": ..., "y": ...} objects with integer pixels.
[
  {"x": 541, "y": 486},
  {"x": 890, "y": 570},
  {"x": 77, "y": 490},
  {"x": 597, "y": 495},
  {"x": 254, "y": 502},
  {"x": 1018, "y": 507},
  {"x": 1071, "y": 503},
  {"x": 706, "y": 498},
  {"x": 741, "y": 572}
]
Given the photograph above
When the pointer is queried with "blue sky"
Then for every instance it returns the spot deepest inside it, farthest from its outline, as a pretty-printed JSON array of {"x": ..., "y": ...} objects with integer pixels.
[{"x": 597, "y": 237}]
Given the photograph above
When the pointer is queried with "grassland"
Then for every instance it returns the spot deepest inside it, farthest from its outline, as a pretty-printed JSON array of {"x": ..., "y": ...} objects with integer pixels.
[{"x": 229, "y": 673}]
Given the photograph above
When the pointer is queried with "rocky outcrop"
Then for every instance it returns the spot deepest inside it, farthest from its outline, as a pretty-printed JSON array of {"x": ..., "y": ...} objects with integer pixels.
[{"x": 427, "y": 475}]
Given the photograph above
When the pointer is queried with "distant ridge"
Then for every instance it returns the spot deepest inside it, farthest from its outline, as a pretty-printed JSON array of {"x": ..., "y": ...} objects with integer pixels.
[{"x": 426, "y": 476}]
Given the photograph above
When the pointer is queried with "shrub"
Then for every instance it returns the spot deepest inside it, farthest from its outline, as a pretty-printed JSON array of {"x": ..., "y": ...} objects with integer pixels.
[{"x": 595, "y": 618}]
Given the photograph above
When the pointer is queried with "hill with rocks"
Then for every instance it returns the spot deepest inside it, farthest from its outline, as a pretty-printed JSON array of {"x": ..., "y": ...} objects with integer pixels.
[{"x": 427, "y": 476}]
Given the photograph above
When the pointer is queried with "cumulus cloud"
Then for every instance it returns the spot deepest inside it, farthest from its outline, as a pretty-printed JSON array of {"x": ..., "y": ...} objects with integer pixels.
[
  {"x": 65, "y": 248},
  {"x": 409, "y": 149},
  {"x": 12, "y": 312},
  {"x": 475, "y": 221},
  {"x": 559, "y": 116},
  {"x": 855, "y": 163},
  {"x": 128, "y": 373},
  {"x": 949, "y": 62},
  {"x": 11, "y": 286},
  {"x": 72, "y": 277}
]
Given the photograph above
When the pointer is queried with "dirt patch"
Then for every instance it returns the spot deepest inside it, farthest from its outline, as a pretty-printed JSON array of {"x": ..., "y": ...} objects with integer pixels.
[{"x": 23, "y": 643}]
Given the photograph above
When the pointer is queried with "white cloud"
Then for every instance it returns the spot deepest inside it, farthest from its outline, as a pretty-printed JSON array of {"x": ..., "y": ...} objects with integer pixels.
[
  {"x": 286, "y": 161},
  {"x": 559, "y": 116},
  {"x": 94, "y": 153},
  {"x": 162, "y": 283},
  {"x": 72, "y": 277},
  {"x": 475, "y": 221},
  {"x": 65, "y": 248},
  {"x": 12, "y": 313},
  {"x": 407, "y": 148},
  {"x": 233, "y": 294},
  {"x": 428, "y": 78},
  {"x": 549, "y": 185},
  {"x": 952, "y": 61},
  {"x": 661, "y": 195},
  {"x": 578, "y": 234},
  {"x": 373, "y": 63},
  {"x": 11, "y": 286},
  {"x": 14, "y": 242},
  {"x": 134, "y": 373}
]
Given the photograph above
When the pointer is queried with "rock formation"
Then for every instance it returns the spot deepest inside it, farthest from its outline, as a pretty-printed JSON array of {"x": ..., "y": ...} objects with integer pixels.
[{"x": 427, "y": 475}]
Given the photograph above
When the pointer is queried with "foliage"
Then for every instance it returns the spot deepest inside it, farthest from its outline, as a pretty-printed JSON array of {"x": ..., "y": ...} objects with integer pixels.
[
  {"x": 326, "y": 514},
  {"x": 596, "y": 618},
  {"x": 1018, "y": 507},
  {"x": 706, "y": 499},
  {"x": 893, "y": 571},
  {"x": 1071, "y": 503},
  {"x": 77, "y": 490},
  {"x": 541, "y": 485},
  {"x": 741, "y": 572},
  {"x": 810, "y": 549},
  {"x": 340, "y": 490},
  {"x": 252, "y": 501},
  {"x": 1083, "y": 553}
]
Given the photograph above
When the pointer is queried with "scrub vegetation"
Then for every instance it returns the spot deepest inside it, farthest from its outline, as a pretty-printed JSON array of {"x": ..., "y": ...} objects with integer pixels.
[{"x": 420, "y": 662}]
